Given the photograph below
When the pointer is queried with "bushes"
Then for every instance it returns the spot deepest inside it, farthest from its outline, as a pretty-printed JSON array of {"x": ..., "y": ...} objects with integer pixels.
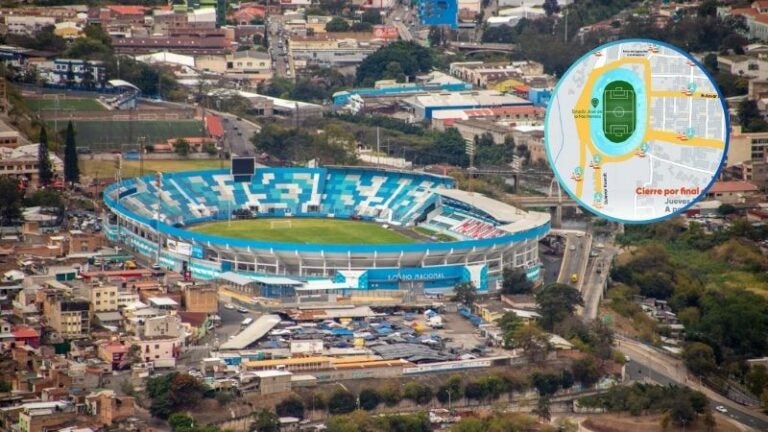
[{"x": 342, "y": 402}]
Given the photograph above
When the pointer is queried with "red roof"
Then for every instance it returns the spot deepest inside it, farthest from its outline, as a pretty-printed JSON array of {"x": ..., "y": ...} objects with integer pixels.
[
  {"x": 24, "y": 333},
  {"x": 195, "y": 319},
  {"x": 733, "y": 186},
  {"x": 116, "y": 347},
  {"x": 127, "y": 9},
  {"x": 213, "y": 124}
]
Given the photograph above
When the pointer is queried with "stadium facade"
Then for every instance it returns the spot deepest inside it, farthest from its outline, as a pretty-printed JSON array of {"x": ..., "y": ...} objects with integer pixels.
[{"x": 150, "y": 214}]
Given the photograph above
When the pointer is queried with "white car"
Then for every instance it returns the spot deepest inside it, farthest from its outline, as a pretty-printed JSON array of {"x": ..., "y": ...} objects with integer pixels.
[
  {"x": 229, "y": 306},
  {"x": 721, "y": 409}
]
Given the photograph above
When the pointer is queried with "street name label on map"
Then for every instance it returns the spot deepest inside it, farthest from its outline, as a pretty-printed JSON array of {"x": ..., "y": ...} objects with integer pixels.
[{"x": 640, "y": 122}]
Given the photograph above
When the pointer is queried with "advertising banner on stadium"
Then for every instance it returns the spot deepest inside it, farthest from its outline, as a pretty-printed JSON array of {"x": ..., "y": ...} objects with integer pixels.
[{"x": 178, "y": 247}]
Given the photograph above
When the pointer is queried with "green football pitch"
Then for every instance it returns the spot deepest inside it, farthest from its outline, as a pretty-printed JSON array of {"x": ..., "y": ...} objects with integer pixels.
[
  {"x": 307, "y": 231},
  {"x": 104, "y": 135},
  {"x": 618, "y": 111},
  {"x": 65, "y": 105}
]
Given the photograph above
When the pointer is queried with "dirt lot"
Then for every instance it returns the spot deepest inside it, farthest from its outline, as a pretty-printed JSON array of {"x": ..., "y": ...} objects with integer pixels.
[{"x": 650, "y": 423}]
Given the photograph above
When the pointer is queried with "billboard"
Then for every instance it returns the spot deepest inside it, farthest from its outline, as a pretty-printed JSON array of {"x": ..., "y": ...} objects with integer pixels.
[
  {"x": 178, "y": 247},
  {"x": 439, "y": 12}
]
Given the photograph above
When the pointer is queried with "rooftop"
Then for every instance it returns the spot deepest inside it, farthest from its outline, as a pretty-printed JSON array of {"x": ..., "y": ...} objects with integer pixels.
[
  {"x": 733, "y": 186},
  {"x": 252, "y": 333}
]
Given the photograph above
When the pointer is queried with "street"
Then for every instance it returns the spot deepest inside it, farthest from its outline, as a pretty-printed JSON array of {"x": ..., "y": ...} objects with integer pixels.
[
  {"x": 595, "y": 279},
  {"x": 574, "y": 259},
  {"x": 648, "y": 363},
  {"x": 238, "y": 134}
]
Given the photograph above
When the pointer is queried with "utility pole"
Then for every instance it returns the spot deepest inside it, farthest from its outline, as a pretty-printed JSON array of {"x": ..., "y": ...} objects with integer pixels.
[
  {"x": 566, "y": 25},
  {"x": 142, "y": 145}
]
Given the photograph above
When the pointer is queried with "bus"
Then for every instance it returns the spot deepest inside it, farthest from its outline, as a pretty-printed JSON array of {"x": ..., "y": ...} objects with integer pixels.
[{"x": 246, "y": 322}]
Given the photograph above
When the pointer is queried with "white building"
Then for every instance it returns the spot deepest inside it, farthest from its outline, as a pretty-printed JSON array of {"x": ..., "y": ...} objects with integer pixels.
[{"x": 25, "y": 24}]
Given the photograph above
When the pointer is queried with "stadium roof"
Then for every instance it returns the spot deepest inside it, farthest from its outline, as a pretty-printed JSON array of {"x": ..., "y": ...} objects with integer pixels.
[
  {"x": 269, "y": 280},
  {"x": 252, "y": 333},
  {"x": 236, "y": 278},
  {"x": 121, "y": 83},
  {"x": 167, "y": 57},
  {"x": 285, "y": 104},
  {"x": 498, "y": 210}
]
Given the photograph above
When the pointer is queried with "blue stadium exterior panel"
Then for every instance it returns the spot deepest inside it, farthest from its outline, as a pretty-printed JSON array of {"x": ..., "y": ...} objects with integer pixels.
[{"x": 439, "y": 12}]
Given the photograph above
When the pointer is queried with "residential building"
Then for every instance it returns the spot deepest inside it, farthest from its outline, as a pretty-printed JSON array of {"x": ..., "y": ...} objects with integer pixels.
[
  {"x": 103, "y": 298},
  {"x": 26, "y": 24},
  {"x": 271, "y": 381},
  {"x": 45, "y": 416},
  {"x": 161, "y": 351},
  {"x": 132, "y": 15},
  {"x": 166, "y": 325},
  {"x": 68, "y": 317},
  {"x": 115, "y": 353},
  {"x": 425, "y": 107},
  {"x": 755, "y": 17},
  {"x": 331, "y": 49},
  {"x": 733, "y": 192},
  {"x": 24, "y": 335},
  {"x": 74, "y": 73},
  {"x": 202, "y": 42},
  {"x": 200, "y": 297},
  {"x": 745, "y": 146},
  {"x": 250, "y": 63},
  {"x": 744, "y": 66},
  {"x": 108, "y": 408}
]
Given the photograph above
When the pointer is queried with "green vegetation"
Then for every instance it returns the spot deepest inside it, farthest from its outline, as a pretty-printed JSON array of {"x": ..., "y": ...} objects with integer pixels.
[
  {"x": 106, "y": 169},
  {"x": 682, "y": 406},
  {"x": 45, "y": 166},
  {"x": 174, "y": 392},
  {"x": 10, "y": 205},
  {"x": 398, "y": 60},
  {"x": 434, "y": 234},
  {"x": 71, "y": 163},
  {"x": 315, "y": 84},
  {"x": 65, "y": 105},
  {"x": 515, "y": 281},
  {"x": 750, "y": 117},
  {"x": 107, "y": 134},
  {"x": 544, "y": 40},
  {"x": 465, "y": 293},
  {"x": 361, "y": 421},
  {"x": 557, "y": 302},
  {"x": 334, "y": 146},
  {"x": 306, "y": 231},
  {"x": 713, "y": 281},
  {"x": 337, "y": 24}
]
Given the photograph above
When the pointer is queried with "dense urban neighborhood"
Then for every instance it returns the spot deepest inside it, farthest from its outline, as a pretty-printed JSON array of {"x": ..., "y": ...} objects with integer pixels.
[{"x": 383, "y": 216}]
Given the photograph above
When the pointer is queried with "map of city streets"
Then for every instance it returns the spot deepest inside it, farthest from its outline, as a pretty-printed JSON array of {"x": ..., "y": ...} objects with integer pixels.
[{"x": 636, "y": 131}]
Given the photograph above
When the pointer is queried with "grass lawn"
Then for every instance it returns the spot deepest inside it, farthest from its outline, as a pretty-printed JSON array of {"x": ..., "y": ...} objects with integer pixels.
[
  {"x": 307, "y": 231},
  {"x": 65, "y": 105},
  {"x": 101, "y": 135},
  {"x": 106, "y": 168}
]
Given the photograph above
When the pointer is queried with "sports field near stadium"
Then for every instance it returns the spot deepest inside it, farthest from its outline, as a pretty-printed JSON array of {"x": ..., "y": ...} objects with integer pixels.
[
  {"x": 619, "y": 111},
  {"x": 307, "y": 231},
  {"x": 65, "y": 105}
]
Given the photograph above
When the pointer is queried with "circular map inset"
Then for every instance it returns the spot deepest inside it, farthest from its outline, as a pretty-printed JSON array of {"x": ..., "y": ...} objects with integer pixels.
[{"x": 636, "y": 131}]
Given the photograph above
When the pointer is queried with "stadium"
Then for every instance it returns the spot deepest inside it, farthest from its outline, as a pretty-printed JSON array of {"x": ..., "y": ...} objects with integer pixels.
[{"x": 415, "y": 231}]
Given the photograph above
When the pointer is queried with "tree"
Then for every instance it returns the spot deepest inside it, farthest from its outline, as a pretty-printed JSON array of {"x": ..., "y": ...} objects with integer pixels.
[
  {"x": 546, "y": 383},
  {"x": 550, "y": 7},
  {"x": 181, "y": 147},
  {"x": 391, "y": 395},
  {"x": 465, "y": 292},
  {"x": 533, "y": 340},
  {"x": 515, "y": 281},
  {"x": 5, "y": 387},
  {"x": 509, "y": 323},
  {"x": 341, "y": 402},
  {"x": 699, "y": 358},
  {"x": 726, "y": 209},
  {"x": 586, "y": 372},
  {"x": 290, "y": 407},
  {"x": 10, "y": 204},
  {"x": 71, "y": 168},
  {"x": 174, "y": 392},
  {"x": 749, "y": 116},
  {"x": 419, "y": 393},
  {"x": 336, "y": 25},
  {"x": 542, "y": 408},
  {"x": 371, "y": 16},
  {"x": 181, "y": 422},
  {"x": 210, "y": 148},
  {"x": 557, "y": 302},
  {"x": 757, "y": 379},
  {"x": 681, "y": 413},
  {"x": 45, "y": 167},
  {"x": 413, "y": 59},
  {"x": 266, "y": 421},
  {"x": 369, "y": 399}
]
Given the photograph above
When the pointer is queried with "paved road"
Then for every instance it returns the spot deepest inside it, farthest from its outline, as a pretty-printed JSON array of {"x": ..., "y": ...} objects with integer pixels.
[
  {"x": 648, "y": 363},
  {"x": 238, "y": 134},
  {"x": 597, "y": 273},
  {"x": 574, "y": 259}
]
